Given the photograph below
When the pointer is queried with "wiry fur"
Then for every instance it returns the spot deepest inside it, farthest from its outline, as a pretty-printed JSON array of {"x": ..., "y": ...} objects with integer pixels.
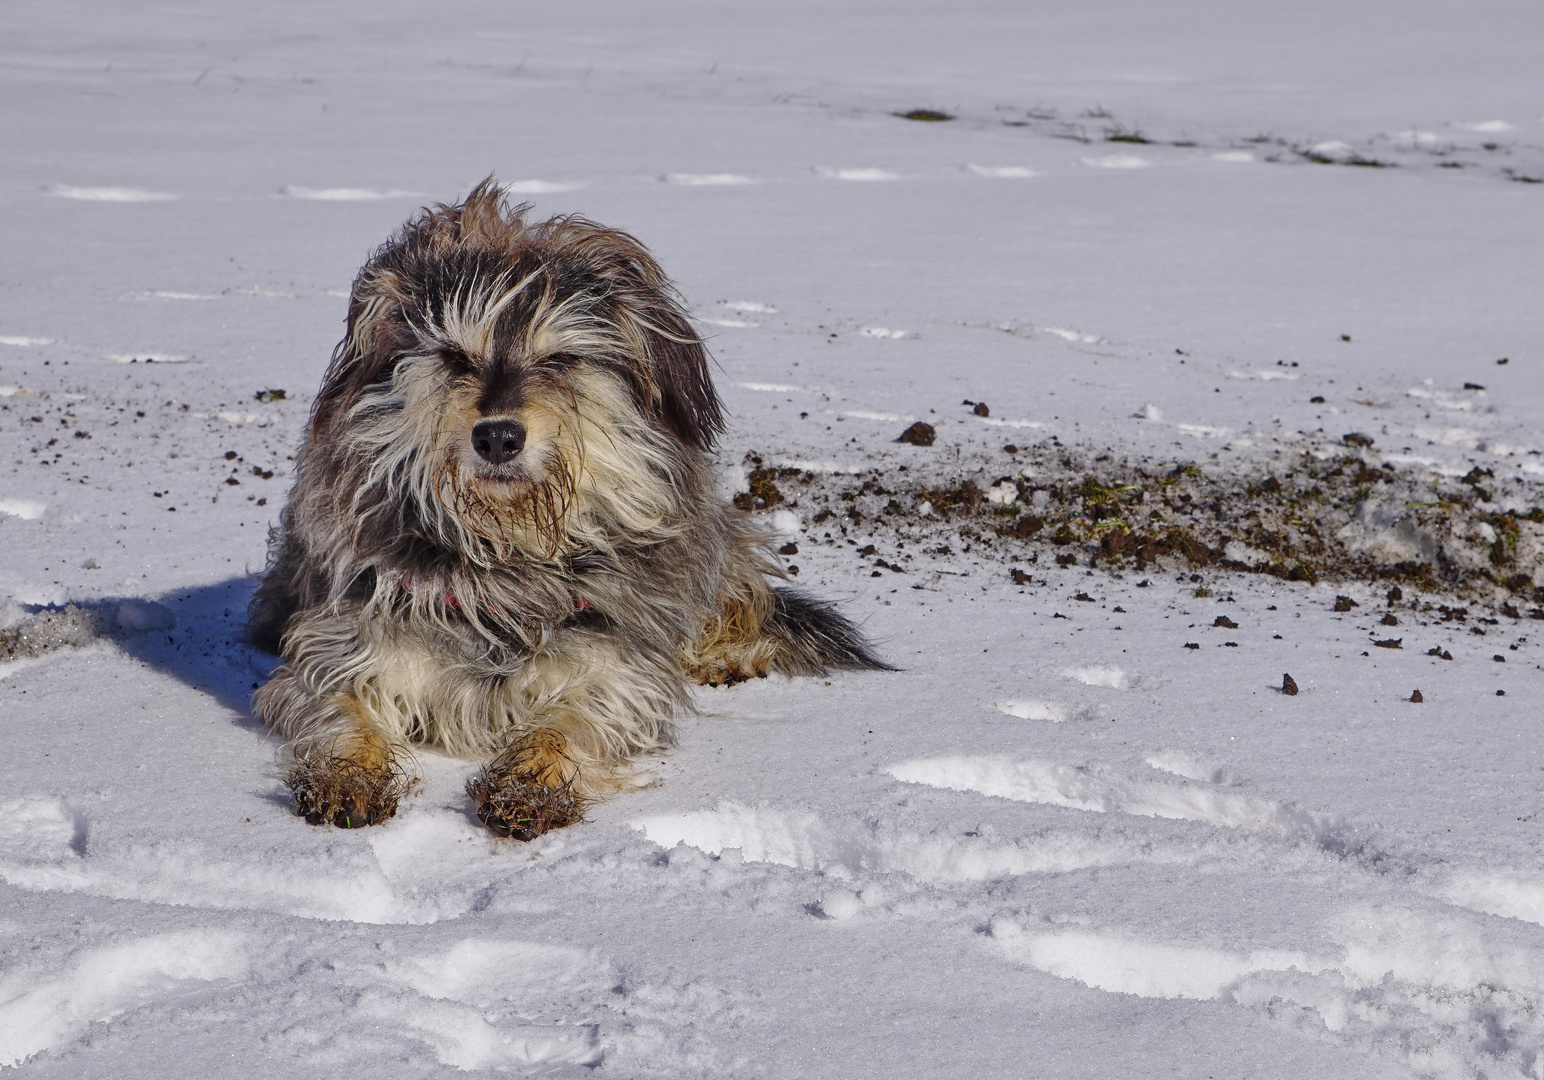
[{"x": 545, "y": 611}]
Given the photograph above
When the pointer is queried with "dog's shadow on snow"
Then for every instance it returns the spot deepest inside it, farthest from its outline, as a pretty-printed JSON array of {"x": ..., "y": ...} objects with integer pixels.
[{"x": 200, "y": 643}]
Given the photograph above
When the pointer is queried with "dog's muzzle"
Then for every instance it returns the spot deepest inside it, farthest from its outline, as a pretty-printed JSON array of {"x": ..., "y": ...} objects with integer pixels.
[{"x": 498, "y": 441}]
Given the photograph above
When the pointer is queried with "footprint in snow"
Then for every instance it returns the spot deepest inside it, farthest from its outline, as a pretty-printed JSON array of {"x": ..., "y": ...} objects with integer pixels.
[
  {"x": 540, "y": 187},
  {"x": 255, "y": 419},
  {"x": 859, "y": 175},
  {"x": 870, "y": 414},
  {"x": 364, "y": 194},
  {"x": 110, "y": 194},
  {"x": 1265, "y": 374},
  {"x": 1117, "y": 161},
  {"x": 50, "y": 1008},
  {"x": 1099, "y": 675},
  {"x": 1000, "y": 421},
  {"x": 1105, "y": 790},
  {"x": 1002, "y": 172},
  {"x": 1428, "y": 987},
  {"x": 456, "y": 1002},
  {"x": 1507, "y": 894},
  {"x": 1190, "y": 767},
  {"x": 750, "y": 307},
  {"x": 426, "y": 866},
  {"x": 1033, "y": 710},
  {"x": 1077, "y": 337},
  {"x": 853, "y": 850},
  {"x": 26, "y": 509},
  {"x": 148, "y": 358},
  {"x": 342, "y": 194},
  {"x": 707, "y": 179}
]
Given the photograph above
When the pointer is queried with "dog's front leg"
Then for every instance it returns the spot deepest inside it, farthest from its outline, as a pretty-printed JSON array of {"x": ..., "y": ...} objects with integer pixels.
[
  {"x": 581, "y": 707},
  {"x": 529, "y": 788},
  {"x": 340, "y": 768}
]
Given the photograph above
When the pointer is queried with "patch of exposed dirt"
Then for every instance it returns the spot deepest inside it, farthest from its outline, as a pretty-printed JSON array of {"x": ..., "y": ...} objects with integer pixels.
[{"x": 1339, "y": 519}]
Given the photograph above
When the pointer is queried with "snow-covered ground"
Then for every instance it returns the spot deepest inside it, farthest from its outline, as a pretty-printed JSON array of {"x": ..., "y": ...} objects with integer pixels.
[{"x": 1058, "y": 843}]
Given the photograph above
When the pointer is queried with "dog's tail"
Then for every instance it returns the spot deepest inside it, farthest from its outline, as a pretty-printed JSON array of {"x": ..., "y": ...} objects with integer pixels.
[{"x": 813, "y": 638}]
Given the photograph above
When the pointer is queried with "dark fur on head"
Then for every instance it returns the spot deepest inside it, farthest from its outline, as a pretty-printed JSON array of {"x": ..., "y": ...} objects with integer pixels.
[{"x": 503, "y": 537}]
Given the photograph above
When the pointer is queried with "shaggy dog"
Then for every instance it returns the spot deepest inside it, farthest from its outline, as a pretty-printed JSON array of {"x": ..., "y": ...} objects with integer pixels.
[{"x": 504, "y": 539}]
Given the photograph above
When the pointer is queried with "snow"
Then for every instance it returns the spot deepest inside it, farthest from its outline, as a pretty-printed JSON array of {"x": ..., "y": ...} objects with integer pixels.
[
  {"x": 1057, "y": 842},
  {"x": 707, "y": 180},
  {"x": 110, "y": 194},
  {"x": 26, "y": 509}
]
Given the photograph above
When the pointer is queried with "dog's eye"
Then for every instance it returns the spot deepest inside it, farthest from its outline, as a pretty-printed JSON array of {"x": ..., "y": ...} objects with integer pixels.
[{"x": 458, "y": 363}]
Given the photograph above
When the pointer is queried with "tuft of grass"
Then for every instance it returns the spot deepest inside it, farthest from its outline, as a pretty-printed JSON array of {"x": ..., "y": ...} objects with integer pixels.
[{"x": 1121, "y": 134}]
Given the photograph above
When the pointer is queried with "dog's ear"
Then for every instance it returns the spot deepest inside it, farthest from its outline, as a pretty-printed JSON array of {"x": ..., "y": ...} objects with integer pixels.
[
  {"x": 671, "y": 375},
  {"x": 377, "y": 332},
  {"x": 688, "y": 402}
]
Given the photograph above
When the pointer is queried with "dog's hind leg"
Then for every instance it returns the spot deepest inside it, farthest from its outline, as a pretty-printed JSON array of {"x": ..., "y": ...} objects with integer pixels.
[
  {"x": 761, "y": 629},
  {"x": 340, "y": 768}
]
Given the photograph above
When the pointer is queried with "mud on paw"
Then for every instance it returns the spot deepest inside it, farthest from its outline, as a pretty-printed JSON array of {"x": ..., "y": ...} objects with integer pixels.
[
  {"x": 524, "y": 809},
  {"x": 331, "y": 788},
  {"x": 528, "y": 789}
]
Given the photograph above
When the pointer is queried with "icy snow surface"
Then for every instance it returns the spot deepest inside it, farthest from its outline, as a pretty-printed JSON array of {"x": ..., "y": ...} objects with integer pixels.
[{"x": 1057, "y": 843}]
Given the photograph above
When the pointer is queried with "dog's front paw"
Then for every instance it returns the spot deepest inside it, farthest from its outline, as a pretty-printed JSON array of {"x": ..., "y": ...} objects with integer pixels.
[
  {"x": 528, "y": 789},
  {"x": 524, "y": 809},
  {"x": 339, "y": 789}
]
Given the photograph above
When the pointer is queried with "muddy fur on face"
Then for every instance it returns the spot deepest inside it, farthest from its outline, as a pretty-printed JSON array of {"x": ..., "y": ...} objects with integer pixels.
[{"x": 504, "y": 539}]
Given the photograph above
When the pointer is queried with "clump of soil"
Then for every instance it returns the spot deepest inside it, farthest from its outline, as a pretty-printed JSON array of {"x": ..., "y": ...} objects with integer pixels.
[
  {"x": 763, "y": 493},
  {"x": 919, "y": 434}
]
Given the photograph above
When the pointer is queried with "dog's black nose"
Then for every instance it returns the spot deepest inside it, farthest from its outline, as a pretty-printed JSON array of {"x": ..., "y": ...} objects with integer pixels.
[{"x": 497, "y": 441}]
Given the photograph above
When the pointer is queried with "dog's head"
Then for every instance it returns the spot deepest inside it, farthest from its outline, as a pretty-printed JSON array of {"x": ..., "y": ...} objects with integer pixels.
[{"x": 513, "y": 384}]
